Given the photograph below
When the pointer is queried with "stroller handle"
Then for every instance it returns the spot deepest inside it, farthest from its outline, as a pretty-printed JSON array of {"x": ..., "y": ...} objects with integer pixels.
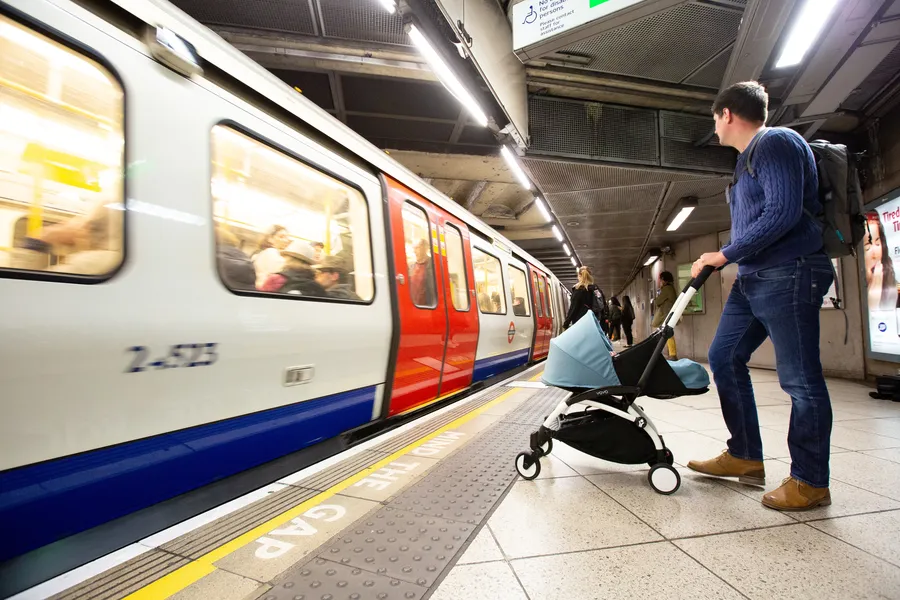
[
  {"x": 698, "y": 281},
  {"x": 686, "y": 294}
]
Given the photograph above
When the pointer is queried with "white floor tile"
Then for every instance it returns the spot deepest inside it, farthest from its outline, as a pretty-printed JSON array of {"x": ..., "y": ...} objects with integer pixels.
[
  {"x": 641, "y": 572},
  {"x": 794, "y": 562},
  {"x": 876, "y": 533},
  {"x": 563, "y": 515},
  {"x": 494, "y": 580}
]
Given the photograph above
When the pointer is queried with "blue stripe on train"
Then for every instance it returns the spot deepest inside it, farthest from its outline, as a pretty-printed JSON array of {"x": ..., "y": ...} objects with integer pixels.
[
  {"x": 45, "y": 502},
  {"x": 493, "y": 365}
]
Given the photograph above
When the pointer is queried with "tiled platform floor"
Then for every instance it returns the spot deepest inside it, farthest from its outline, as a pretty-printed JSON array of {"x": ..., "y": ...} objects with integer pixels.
[{"x": 589, "y": 529}]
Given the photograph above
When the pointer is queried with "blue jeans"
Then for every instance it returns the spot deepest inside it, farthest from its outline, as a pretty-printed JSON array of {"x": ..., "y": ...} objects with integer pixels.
[{"x": 781, "y": 302}]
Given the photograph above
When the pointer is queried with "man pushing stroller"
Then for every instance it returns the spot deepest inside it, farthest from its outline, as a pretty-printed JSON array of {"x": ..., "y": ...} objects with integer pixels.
[{"x": 782, "y": 278}]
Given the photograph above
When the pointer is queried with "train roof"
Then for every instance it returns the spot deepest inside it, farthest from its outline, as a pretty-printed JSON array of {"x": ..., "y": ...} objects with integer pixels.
[{"x": 220, "y": 53}]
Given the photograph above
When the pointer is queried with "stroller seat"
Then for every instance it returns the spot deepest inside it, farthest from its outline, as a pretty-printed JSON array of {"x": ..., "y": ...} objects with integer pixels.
[{"x": 582, "y": 359}]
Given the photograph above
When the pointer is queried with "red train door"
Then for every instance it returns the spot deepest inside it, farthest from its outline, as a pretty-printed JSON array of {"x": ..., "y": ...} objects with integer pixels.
[
  {"x": 548, "y": 312},
  {"x": 436, "y": 350},
  {"x": 459, "y": 291},
  {"x": 541, "y": 329}
]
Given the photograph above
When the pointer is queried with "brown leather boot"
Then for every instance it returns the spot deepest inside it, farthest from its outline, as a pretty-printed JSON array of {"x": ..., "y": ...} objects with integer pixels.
[
  {"x": 795, "y": 495},
  {"x": 751, "y": 472}
]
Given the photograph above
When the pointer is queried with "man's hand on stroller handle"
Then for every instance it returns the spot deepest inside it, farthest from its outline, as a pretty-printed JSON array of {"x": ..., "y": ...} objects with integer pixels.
[{"x": 710, "y": 259}]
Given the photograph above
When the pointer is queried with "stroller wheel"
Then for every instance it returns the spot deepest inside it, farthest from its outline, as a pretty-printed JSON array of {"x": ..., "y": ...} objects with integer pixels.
[
  {"x": 664, "y": 479},
  {"x": 546, "y": 448},
  {"x": 528, "y": 465}
]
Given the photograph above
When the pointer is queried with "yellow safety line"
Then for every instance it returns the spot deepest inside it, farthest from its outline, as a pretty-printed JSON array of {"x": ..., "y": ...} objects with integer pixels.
[
  {"x": 429, "y": 403},
  {"x": 536, "y": 377},
  {"x": 198, "y": 568}
]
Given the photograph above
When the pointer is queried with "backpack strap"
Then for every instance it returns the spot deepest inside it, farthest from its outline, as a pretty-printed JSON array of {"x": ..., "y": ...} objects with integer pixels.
[{"x": 748, "y": 164}]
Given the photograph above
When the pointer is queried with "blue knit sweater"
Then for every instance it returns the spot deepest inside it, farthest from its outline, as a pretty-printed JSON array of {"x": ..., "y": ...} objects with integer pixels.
[{"x": 768, "y": 225}]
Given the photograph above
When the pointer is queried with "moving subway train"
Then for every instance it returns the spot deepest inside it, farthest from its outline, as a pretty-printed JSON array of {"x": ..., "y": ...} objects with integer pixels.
[{"x": 201, "y": 271}]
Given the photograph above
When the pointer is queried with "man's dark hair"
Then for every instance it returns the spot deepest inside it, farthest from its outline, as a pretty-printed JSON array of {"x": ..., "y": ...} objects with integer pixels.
[
  {"x": 667, "y": 277},
  {"x": 748, "y": 100}
]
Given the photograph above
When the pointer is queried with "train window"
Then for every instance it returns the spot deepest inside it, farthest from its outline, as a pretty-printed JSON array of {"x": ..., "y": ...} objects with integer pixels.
[
  {"x": 537, "y": 295},
  {"x": 420, "y": 263},
  {"x": 284, "y": 227},
  {"x": 545, "y": 290},
  {"x": 518, "y": 287},
  {"x": 61, "y": 158},
  {"x": 456, "y": 268},
  {"x": 489, "y": 283}
]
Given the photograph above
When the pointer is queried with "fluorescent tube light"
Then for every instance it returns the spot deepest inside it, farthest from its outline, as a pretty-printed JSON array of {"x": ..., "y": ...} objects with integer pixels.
[
  {"x": 446, "y": 75},
  {"x": 650, "y": 261},
  {"x": 543, "y": 208},
  {"x": 574, "y": 264},
  {"x": 557, "y": 233},
  {"x": 680, "y": 218},
  {"x": 514, "y": 166},
  {"x": 806, "y": 30},
  {"x": 566, "y": 250},
  {"x": 389, "y": 5}
]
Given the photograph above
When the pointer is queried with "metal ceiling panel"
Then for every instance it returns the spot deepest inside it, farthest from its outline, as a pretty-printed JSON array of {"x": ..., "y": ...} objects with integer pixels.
[
  {"x": 556, "y": 176},
  {"x": 593, "y": 131},
  {"x": 679, "y": 134},
  {"x": 362, "y": 20},
  {"x": 384, "y": 128},
  {"x": 691, "y": 34},
  {"x": 290, "y": 16},
  {"x": 400, "y": 97},
  {"x": 711, "y": 74},
  {"x": 708, "y": 191},
  {"x": 880, "y": 77},
  {"x": 611, "y": 200}
]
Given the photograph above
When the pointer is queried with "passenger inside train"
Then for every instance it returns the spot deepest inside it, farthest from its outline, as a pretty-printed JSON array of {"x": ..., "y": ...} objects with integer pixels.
[{"x": 329, "y": 274}]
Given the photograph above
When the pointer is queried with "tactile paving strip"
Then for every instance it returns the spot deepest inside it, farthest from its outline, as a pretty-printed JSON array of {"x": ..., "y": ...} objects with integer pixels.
[
  {"x": 400, "y": 544},
  {"x": 341, "y": 471},
  {"x": 535, "y": 410},
  {"x": 467, "y": 486},
  {"x": 416, "y": 537},
  {"x": 200, "y": 541},
  {"x": 321, "y": 579},
  {"x": 139, "y": 571}
]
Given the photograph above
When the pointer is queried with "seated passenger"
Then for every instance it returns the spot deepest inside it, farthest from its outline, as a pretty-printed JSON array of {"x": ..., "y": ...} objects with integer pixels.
[
  {"x": 519, "y": 307},
  {"x": 484, "y": 301},
  {"x": 235, "y": 268},
  {"x": 495, "y": 303},
  {"x": 329, "y": 274},
  {"x": 269, "y": 260},
  {"x": 297, "y": 277},
  {"x": 421, "y": 276}
]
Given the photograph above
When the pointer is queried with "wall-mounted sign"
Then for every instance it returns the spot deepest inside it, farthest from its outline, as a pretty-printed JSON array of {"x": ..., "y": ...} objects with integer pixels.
[{"x": 538, "y": 20}]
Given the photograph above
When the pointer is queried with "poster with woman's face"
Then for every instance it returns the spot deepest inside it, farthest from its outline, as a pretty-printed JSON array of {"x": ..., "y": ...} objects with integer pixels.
[{"x": 881, "y": 251}]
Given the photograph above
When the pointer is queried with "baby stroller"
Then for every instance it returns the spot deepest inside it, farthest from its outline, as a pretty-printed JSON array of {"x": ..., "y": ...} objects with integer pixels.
[{"x": 600, "y": 418}]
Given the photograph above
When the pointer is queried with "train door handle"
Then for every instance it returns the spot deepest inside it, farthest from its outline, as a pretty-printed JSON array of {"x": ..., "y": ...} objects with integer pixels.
[{"x": 401, "y": 279}]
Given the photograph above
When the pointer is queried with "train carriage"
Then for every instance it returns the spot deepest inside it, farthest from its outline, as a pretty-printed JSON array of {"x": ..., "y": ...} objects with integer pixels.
[{"x": 202, "y": 272}]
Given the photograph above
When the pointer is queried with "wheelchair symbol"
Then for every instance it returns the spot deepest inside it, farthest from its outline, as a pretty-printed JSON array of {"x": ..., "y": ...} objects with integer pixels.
[{"x": 531, "y": 16}]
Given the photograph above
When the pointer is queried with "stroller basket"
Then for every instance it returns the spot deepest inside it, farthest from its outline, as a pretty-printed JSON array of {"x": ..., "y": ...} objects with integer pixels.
[{"x": 600, "y": 418}]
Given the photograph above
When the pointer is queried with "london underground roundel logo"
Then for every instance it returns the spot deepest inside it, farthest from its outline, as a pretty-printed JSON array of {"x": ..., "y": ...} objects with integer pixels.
[
  {"x": 882, "y": 327},
  {"x": 511, "y": 332}
]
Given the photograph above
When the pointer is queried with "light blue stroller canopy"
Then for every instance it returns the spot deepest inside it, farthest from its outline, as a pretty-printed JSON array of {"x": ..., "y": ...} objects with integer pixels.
[{"x": 580, "y": 358}]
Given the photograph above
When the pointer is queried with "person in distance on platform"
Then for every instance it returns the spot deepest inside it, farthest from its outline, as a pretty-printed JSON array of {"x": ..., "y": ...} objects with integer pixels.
[
  {"x": 665, "y": 300},
  {"x": 582, "y": 297},
  {"x": 783, "y": 276}
]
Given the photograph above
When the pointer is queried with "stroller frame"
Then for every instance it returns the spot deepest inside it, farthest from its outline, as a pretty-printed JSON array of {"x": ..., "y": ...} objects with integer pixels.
[{"x": 619, "y": 401}]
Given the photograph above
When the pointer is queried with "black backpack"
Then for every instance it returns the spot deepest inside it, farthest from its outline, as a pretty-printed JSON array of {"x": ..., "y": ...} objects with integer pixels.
[{"x": 842, "y": 220}]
